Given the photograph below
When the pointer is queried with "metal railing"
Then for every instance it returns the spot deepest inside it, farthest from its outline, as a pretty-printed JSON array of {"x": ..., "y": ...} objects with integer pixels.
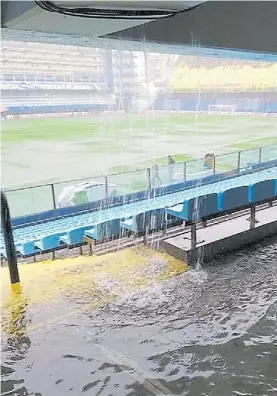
[{"x": 30, "y": 200}]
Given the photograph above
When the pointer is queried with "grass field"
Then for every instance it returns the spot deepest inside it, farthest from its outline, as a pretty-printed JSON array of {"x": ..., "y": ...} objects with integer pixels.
[{"x": 37, "y": 151}]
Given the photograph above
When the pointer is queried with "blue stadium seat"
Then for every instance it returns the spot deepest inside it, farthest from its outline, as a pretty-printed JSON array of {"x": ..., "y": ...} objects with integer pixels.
[
  {"x": 262, "y": 190},
  {"x": 49, "y": 242},
  {"x": 233, "y": 198},
  {"x": 59, "y": 108},
  {"x": 105, "y": 230},
  {"x": 74, "y": 236},
  {"x": 129, "y": 224},
  {"x": 154, "y": 220},
  {"x": 195, "y": 208},
  {"x": 136, "y": 223},
  {"x": 27, "y": 248}
]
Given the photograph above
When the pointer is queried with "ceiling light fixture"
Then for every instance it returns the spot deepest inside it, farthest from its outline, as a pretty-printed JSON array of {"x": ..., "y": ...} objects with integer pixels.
[{"x": 119, "y": 12}]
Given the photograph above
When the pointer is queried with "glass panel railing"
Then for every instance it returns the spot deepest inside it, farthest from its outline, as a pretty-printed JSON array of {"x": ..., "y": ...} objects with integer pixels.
[
  {"x": 178, "y": 172},
  {"x": 249, "y": 158},
  {"x": 165, "y": 175},
  {"x": 30, "y": 200},
  {"x": 269, "y": 153},
  {"x": 80, "y": 192},
  {"x": 198, "y": 169},
  {"x": 129, "y": 182},
  {"x": 226, "y": 163}
]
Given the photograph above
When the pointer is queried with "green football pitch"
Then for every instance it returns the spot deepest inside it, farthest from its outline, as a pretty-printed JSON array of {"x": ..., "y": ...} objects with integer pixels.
[
  {"x": 38, "y": 151},
  {"x": 41, "y": 150}
]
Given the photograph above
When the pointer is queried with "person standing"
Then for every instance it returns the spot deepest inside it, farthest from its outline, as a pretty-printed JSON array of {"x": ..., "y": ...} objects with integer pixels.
[{"x": 171, "y": 162}]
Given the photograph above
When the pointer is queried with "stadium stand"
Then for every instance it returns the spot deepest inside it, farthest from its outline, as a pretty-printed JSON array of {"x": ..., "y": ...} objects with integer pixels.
[
  {"x": 47, "y": 78},
  {"x": 251, "y": 76},
  {"x": 204, "y": 83},
  {"x": 215, "y": 196}
]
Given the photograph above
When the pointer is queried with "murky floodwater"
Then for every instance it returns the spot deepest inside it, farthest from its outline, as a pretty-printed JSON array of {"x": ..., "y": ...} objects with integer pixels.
[{"x": 212, "y": 332}]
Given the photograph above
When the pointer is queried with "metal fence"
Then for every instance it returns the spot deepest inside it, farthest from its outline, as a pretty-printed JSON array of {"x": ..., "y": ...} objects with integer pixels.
[{"x": 31, "y": 200}]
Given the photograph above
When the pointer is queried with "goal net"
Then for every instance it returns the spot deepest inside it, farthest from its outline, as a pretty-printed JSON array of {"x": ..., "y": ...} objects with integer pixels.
[{"x": 222, "y": 109}]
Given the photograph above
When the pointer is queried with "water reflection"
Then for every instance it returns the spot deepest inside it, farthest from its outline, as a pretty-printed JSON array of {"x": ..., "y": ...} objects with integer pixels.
[{"x": 16, "y": 341}]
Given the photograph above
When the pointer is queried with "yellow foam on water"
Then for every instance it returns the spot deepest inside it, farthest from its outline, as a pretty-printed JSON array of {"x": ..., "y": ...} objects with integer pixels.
[{"x": 79, "y": 280}]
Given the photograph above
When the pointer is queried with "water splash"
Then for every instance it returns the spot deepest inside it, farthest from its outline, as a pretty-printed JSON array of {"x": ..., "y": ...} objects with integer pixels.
[{"x": 197, "y": 275}]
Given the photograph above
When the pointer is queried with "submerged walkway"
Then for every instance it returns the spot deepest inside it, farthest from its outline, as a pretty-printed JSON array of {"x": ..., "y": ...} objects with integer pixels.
[{"x": 92, "y": 281}]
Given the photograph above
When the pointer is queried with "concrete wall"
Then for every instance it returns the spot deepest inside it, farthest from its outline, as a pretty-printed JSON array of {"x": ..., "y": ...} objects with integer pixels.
[{"x": 232, "y": 243}]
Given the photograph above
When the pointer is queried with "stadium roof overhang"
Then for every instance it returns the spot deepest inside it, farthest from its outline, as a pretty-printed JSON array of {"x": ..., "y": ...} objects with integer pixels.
[{"x": 246, "y": 26}]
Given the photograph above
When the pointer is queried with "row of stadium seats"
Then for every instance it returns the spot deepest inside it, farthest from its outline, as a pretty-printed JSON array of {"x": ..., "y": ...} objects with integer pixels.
[
  {"x": 30, "y": 57},
  {"x": 48, "y": 67},
  {"x": 51, "y": 86},
  {"x": 58, "y": 108},
  {"x": 229, "y": 194}
]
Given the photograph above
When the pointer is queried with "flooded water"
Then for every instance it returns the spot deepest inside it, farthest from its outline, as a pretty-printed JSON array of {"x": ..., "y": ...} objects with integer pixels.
[
  {"x": 41, "y": 151},
  {"x": 206, "y": 332}
]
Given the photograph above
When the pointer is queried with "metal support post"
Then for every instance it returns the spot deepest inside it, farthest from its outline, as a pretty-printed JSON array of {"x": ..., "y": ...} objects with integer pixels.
[
  {"x": 53, "y": 196},
  {"x": 106, "y": 191},
  {"x": 193, "y": 236},
  {"x": 165, "y": 222},
  {"x": 260, "y": 155},
  {"x": 147, "y": 225},
  {"x": 252, "y": 216},
  {"x": 106, "y": 188},
  {"x": 185, "y": 171},
  {"x": 149, "y": 183},
  {"x": 239, "y": 160},
  {"x": 214, "y": 164},
  {"x": 8, "y": 239}
]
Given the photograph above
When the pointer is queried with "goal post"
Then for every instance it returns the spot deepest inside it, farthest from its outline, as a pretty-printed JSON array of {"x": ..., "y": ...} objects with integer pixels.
[{"x": 222, "y": 109}]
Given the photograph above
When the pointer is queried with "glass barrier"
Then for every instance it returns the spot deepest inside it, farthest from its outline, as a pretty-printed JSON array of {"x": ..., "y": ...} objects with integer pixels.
[
  {"x": 177, "y": 171},
  {"x": 249, "y": 157},
  {"x": 269, "y": 153},
  {"x": 79, "y": 192},
  {"x": 30, "y": 200},
  {"x": 226, "y": 163},
  {"x": 42, "y": 198},
  {"x": 167, "y": 174},
  {"x": 129, "y": 182},
  {"x": 197, "y": 170}
]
